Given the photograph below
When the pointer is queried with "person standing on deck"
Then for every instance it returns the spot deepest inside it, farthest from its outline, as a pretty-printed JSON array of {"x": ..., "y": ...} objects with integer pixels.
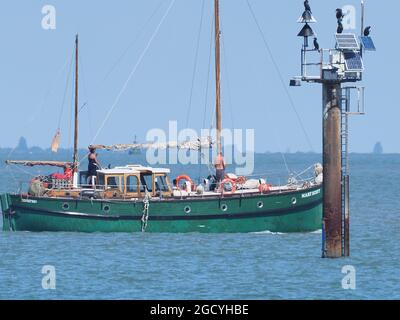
[
  {"x": 219, "y": 167},
  {"x": 93, "y": 166}
]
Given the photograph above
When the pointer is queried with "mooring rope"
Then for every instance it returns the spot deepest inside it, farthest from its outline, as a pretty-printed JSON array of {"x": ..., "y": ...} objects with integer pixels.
[{"x": 145, "y": 216}]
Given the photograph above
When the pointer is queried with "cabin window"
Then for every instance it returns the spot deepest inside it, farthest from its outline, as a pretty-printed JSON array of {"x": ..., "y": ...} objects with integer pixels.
[
  {"x": 132, "y": 184},
  {"x": 83, "y": 175},
  {"x": 146, "y": 182},
  {"x": 101, "y": 180},
  {"x": 112, "y": 182},
  {"x": 161, "y": 184},
  {"x": 115, "y": 182}
]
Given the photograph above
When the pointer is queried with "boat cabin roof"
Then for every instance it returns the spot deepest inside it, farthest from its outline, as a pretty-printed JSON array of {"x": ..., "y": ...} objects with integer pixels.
[{"x": 132, "y": 169}]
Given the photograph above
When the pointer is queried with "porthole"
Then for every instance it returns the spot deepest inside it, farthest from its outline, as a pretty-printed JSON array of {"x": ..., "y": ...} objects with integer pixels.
[
  {"x": 106, "y": 208},
  {"x": 224, "y": 207},
  {"x": 187, "y": 209},
  {"x": 294, "y": 201},
  {"x": 260, "y": 205},
  {"x": 65, "y": 206}
]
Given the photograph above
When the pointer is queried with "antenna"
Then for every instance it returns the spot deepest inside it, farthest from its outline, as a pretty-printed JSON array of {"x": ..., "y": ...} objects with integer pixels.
[{"x": 335, "y": 67}]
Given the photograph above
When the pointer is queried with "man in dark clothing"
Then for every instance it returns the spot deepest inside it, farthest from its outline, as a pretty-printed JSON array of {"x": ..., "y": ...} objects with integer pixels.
[{"x": 93, "y": 166}]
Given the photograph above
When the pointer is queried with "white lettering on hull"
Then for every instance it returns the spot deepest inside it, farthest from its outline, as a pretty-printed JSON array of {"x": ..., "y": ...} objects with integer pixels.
[
  {"x": 310, "y": 194},
  {"x": 28, "y": 201}
]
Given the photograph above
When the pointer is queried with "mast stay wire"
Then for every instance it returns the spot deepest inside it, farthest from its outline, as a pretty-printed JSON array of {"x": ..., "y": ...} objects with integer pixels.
[
  {"x": 195, "y": 63},
  {"x": 291, "y": 102},
  {"x": 65, "y": 92},
  {"x": 276, "y": 136},
  {"x": 202, "y": 155},
  {"x": 208, "y": 77},
  {"x": 43, "y": 102},
  {"x": 133, "y": 71},
  {"x": 86, "y": 94},
  {"x": 134, "y": 41},
  {"x": 71, "y": 117},
  {"x": 228, "y": 87},
  {"x": 48, "y": 92}
]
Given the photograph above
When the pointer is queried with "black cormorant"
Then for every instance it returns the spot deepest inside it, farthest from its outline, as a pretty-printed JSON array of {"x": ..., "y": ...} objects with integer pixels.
[
  {"x": 307, "y": 6},
  {"x": 316, "y": 44},
  {"x": 367, "y": 31},
  {"x": 339, "y": 14},
  {"x": 340, "y": 27}
]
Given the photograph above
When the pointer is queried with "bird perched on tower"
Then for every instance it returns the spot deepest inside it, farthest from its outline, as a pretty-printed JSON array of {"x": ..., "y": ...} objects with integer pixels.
[
  {"x": 340, "y": 27},
  {"x": 339, "y": 14},
  {"x": 316, "y": 44},
  {"x": 307, "y": 6},
  {"x": 367, "y": 31},
  {"x": 339, "y": 17}
]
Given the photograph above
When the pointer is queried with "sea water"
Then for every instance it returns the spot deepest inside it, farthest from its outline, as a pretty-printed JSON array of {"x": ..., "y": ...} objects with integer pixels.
[{"x": 215, "y": 266}]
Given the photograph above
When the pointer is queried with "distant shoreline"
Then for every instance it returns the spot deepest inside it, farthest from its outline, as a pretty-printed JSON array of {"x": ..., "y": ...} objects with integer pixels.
[{"x": 40, "y": 151}]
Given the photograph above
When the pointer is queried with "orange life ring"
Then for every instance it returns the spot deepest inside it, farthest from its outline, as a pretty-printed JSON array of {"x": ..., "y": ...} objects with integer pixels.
[
  {"x": 265, "y": 188},
  {"x": 227, "y": 180},
  {"x": 186, "y": 178}
]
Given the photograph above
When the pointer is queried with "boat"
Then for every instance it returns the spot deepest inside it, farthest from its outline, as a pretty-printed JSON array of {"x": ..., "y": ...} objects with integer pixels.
[
  {"x": 138, "y": 198},
  {"x": 133, "y": 150}
]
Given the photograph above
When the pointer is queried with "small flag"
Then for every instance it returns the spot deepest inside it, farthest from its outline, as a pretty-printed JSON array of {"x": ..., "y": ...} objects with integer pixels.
[{"x": 56, "y": 141}]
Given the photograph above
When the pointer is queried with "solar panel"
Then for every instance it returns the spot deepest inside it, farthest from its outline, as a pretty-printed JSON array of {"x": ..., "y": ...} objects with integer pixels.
[
  {"x": 368, "y": 44},
  {"x": 353, "y": 61},
  {"x": 347, "y": 41}
]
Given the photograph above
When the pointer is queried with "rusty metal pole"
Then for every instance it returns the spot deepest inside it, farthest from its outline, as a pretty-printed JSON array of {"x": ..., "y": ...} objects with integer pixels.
[
  {"x": 346, "y": 249},
  {"x": 332, "y": 207}
]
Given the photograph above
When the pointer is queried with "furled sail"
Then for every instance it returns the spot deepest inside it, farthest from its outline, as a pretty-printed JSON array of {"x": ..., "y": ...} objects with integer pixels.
[
  {"x": 56, "y": 141},
  {"x": 189, "y": 145},
  {"x": 30, "y": 163}
]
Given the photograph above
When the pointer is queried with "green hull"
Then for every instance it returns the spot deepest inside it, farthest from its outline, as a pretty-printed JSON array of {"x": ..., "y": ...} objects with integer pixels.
[{"x": 296, "y": 211}]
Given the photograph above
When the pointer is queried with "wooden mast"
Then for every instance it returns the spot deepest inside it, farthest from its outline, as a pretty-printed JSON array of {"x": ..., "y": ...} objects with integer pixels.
[
  {"x": 218, "y": 76},
  {"x": 76, "y": 105}
]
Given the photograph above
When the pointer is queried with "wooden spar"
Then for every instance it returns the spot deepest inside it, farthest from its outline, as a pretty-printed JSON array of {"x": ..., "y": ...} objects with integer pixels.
[
  {"x": 30, "y": 163},
  {"x": 218, "y": 76},
  {"x": 75, "y": 157}
]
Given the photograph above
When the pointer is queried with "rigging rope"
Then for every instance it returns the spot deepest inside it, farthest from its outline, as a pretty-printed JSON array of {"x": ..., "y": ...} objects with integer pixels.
[
  {"x": 144, "y": 26},
  {"x": 132, "y": 73},
  {"x": 195, "y": 64},
  {"x": 202, "y": 155},
  {"x": 139, "y": 33},
  {"x": 65, "y": 92},
  {"x": 227, "y": 81},
  {"x": 208, "y": 76},
  {"x": 86, "y": 94},
  {"x": 48, "y": 92},
  {"x": 292, "y": 104},
  {"x": 13, "y": 176},
  {"x": 43, "y": 102}
]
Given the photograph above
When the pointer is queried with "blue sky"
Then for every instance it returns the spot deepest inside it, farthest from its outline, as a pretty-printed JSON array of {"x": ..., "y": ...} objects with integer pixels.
[{"x": 35, "y": 63}]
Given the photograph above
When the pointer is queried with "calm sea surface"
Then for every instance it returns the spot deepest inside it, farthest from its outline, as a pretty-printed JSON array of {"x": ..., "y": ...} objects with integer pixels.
[{"x": 215, "y": 266}]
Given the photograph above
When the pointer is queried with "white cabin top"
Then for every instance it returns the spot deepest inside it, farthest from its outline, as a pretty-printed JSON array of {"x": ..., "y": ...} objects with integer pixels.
[{"x": 133, "y": 168}]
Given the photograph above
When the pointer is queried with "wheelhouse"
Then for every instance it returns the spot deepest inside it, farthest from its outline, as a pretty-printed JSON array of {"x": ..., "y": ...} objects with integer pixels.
[{"x": 133, "y": 181}]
